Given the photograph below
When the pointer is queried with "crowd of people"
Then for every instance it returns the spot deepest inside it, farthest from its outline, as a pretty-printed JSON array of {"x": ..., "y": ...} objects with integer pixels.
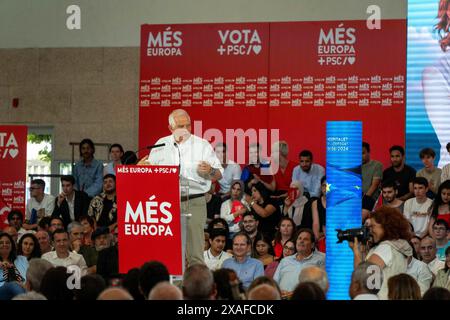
[{"x": 264, "y": 234}]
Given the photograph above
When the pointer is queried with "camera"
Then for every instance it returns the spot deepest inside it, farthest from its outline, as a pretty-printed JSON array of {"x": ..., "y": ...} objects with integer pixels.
[{"x": 362, "y": 234}]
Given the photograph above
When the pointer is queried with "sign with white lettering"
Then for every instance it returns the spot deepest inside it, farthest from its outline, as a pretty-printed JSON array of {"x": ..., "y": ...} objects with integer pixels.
[
  {"x": 148, "y": 212},
  {"x": 13, "y": 166}
]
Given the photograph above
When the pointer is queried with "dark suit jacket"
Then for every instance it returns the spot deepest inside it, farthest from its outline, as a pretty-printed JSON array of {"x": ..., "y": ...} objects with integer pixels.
[{"x": 81, "y": 207}]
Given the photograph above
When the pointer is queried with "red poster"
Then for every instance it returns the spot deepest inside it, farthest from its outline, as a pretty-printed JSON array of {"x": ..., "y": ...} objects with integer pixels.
[
  {"x": 13, "y": 164},
  {"x": 275, "y": 81},
  {"x": 149, "y": 217}
]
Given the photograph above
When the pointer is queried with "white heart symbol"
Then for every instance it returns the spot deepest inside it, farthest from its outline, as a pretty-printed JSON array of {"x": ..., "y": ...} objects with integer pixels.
[
  {"x": 257, "y": 49},
  {"x": 351, "y": 60},
  {"x": 13, "y": 152}
]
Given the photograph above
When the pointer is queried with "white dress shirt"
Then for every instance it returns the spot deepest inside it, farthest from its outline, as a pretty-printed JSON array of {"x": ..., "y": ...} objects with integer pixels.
[
  {"x": 74, "y": 259},
  {"x": 189, "y": 153}
]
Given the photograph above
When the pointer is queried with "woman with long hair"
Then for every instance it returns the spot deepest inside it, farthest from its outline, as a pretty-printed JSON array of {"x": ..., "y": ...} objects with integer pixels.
[
  {"x": 285, "y": 231},
  {"x": 390, "y": 233},
  {"x": 440, "y": 209},
  {"x": 29, "y": 247},
  {"x": 12, "y": 267},
  {"x": 263, "y": 250}
]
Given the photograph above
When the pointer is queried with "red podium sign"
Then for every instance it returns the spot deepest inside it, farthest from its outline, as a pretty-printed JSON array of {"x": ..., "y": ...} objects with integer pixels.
[
  {"x": 148, "y": 215},
  {"x": 13, "y": 166}
]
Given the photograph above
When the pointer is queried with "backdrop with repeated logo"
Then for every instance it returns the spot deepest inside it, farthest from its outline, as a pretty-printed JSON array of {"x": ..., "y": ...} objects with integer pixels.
[
  {"x": 13, "y": 164},
  {"x": 291, "y": 76}
]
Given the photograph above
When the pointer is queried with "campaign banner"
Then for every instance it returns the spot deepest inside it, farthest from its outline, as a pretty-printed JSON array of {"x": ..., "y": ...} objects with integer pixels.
[
  {"x": 148, "y": 215},
  {"x": 344, "y": 196},
  {"x": 275, "y": 81},
  {"x": 13, "y": 166}
]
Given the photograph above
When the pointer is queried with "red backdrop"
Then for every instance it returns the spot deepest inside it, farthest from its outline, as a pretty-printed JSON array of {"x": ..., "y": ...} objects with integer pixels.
[
  {"x": 13, "y": 164},
  {"x": 291, "y": 76}
]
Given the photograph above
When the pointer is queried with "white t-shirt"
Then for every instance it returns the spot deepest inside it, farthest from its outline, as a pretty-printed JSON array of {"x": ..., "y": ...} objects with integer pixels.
[
  {"x": 73, "y": 259},
  {"x": 418, "y": 214},
  {"x": 214, "y": 263},
  {"x": 419, "y": 270},
  {"x": 230, "y": 173},
  {"x": 48, "y": 203}
]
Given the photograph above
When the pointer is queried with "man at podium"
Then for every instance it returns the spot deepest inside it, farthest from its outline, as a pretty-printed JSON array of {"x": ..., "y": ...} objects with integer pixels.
[{"x": 198, "y": 166}]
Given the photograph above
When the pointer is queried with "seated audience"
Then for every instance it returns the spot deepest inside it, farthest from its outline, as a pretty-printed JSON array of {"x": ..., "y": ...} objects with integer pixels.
[
  {"x": 233, "y": 209},
  {"x": 215, "y": 255},
  {"x": 165, "y": 291},
  {"x": 263, "y": 250},
  {"x": 285, "y": 232},
  {"x": 39, "y": 205},
  {"x": 232, "y": 171},
  {"x": 13, "y": 268},
  {"x": 308, "y": 173},
  {"x": 307, "y": 291},
  {"x": 198, "y": 283},
  {"x": 290, "y": 267},
  {"x": 443, "y": 275}
]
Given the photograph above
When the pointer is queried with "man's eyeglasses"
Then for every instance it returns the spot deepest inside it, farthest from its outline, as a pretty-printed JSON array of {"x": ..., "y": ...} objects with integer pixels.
[{"x": 439, "y": 229}]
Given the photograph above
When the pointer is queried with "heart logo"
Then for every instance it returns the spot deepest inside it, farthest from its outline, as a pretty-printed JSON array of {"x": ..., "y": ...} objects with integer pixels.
[
  {"x": 257, "y": 49},
  {"x": 13, "y": 152},
  {"x": 351, "y": 60}
]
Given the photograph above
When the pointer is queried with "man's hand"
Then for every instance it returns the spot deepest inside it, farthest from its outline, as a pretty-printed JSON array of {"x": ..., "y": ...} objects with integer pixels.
[
  {"x": 76, "y": 245},
  {"x": 61, "y": 198},
  {"x": 203, "y": 169},
  {"x": 144, "y": 161}
]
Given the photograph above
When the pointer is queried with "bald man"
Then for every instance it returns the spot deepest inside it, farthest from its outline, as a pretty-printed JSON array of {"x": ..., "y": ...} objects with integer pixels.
[
  {"x": 165, "y": 291},
  {"x": 316, "y": 275},
  {"x": 114, "y": 294},
  {"x": 264, "y": 292}
]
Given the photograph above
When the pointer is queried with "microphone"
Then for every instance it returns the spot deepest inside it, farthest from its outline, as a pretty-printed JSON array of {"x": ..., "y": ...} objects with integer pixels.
[
  {"x": 179, "y": 169},
  {"x": 132, "y": 154}
]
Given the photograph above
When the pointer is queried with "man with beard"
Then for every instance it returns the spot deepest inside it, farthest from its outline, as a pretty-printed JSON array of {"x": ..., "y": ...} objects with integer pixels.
[
  {"x": 250, "y": 224},
  {"x": 389, "y": 192},
  {"x": 103, "y": 208},
  {"x": 308, "y": 173},
  {"x": 88, "y": 172},
  {"x": 400, "y": 173}
]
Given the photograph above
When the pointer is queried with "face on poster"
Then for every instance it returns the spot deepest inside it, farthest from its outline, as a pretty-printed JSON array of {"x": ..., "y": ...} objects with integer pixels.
[
  {"x": 428, "y": 69},
  {"x": 246, "y": 82}
]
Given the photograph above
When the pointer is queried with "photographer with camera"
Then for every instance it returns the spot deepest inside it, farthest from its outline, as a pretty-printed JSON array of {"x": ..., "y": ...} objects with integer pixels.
[{"x": 390, "y": 232}]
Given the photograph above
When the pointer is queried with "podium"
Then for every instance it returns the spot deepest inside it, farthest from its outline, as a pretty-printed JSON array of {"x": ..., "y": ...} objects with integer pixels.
[{"x": 150, "y": 218}]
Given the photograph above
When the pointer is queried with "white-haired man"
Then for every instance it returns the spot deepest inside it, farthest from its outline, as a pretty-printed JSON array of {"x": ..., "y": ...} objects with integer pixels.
[{"x": 198, "y": 166}]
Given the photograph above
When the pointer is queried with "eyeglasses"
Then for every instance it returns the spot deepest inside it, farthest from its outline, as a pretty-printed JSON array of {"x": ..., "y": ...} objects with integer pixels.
[
  {"x": 439, "y": 229},
  {"x": 289, "y": 248}
]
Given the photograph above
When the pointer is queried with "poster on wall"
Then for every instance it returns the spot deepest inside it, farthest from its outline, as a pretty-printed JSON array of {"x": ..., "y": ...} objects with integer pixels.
[
  {"x": 13, "y": 164},
  {"x": 428, "y": 106},
  {"x": 275, "y": 81}
]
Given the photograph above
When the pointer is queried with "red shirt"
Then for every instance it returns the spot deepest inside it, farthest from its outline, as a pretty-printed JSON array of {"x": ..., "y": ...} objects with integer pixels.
[{"x": 283, "y": 180}]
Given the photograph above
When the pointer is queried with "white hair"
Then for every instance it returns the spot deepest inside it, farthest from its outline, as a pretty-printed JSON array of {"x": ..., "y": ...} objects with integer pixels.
[
  {"x": 32, "y": 295},
  {"x": 316, "y": 275},
  {"x": 177, "y": 113}
]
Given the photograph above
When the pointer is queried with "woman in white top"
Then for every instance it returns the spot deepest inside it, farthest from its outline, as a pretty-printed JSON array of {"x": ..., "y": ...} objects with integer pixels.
[
  {"x": 234, "y": 208},
  {"x": 390, "y": 250}
]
